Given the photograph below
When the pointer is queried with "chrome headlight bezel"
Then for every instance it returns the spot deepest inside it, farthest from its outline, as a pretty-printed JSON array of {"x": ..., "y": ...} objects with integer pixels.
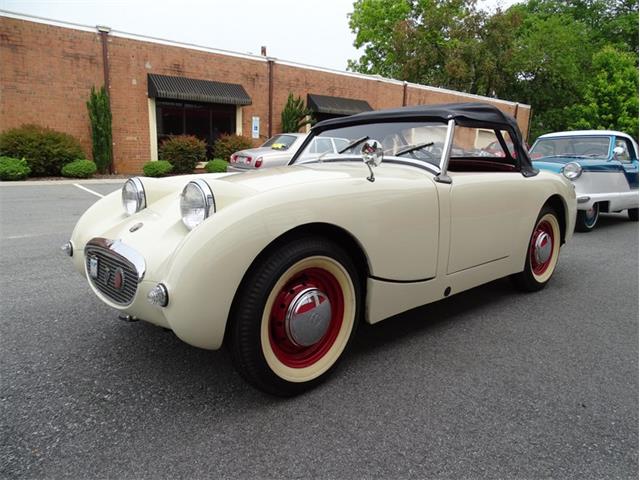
[
  {"x": 202, "y": 206},
  {"x": 572, "y": 170},
  {"x": 138, "y": 199}
]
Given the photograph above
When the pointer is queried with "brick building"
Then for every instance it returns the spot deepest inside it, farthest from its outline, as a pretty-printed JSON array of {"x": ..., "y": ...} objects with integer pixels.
[{"x": 159, "y": 87}]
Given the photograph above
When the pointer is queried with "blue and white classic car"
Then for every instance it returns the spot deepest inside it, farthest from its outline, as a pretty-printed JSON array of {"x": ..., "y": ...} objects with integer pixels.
[{"x": 602, "y": 164}]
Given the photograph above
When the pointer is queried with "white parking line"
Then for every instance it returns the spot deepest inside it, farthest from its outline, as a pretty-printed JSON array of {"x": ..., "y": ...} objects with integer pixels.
[{"x": 88, "y": 190}]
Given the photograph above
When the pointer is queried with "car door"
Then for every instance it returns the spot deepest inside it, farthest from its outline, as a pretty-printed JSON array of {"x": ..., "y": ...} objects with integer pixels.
[
  {"x": 629, "y": 161},
  {"x": 487, "y": 202}
]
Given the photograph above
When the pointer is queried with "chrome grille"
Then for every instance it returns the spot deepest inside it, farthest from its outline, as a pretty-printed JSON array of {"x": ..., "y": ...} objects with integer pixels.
[{"x": 110, "y": 267}]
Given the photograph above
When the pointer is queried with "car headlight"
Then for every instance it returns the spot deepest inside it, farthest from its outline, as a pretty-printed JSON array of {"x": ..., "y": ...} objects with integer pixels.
[
  {"x": 196, "y": 203},
  {"x": 572, "y": 170},
  {"x": 133, "y": 197}
]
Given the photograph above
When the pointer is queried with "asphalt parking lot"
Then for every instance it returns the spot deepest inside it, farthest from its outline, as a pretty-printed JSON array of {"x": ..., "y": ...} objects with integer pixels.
[{"x": 486, "y": 384}]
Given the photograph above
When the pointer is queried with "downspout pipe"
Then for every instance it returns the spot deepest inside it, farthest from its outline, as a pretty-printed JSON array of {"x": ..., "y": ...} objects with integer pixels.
[
  {"x": 270, "y": 65},
  {"x": 104, "y": 32}
]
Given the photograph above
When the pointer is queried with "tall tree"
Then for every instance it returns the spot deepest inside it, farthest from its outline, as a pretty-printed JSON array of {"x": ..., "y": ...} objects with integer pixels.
[
  {"x": 540, "y": 52},
  {"x": 611, "y": 97}
]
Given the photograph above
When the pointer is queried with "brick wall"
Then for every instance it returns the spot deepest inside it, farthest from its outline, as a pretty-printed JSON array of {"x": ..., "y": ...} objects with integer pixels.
[{"x": 47, "y": 73}]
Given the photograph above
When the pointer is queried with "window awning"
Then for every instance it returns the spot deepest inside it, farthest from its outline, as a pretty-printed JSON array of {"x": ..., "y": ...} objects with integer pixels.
[
  {"x": 336, "y": 105},
  {"x": 190, "y": 89}
]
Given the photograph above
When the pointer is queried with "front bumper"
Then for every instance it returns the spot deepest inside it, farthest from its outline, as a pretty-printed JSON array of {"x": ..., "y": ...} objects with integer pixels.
[{"x": 616, "y": 201}]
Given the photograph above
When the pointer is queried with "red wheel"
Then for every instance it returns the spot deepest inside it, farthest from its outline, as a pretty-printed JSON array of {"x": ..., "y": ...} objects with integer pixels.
[
  {"x": 306, "y": 318},
  {"x": 542, "y": 253},
  {"x": 296, "y": 319},
  {"x": 541, "y": 248}
]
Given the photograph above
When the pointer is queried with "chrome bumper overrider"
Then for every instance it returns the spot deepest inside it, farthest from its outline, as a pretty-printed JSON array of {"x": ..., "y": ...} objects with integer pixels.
[{"x": 114, "y": 269}]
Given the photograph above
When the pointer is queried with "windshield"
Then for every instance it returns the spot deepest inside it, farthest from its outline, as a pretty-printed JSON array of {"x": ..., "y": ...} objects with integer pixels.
[
  {"x": 571, "y": 147},
  {"x": 416, "y": 141},
  {"x": 280, "y": 142}
]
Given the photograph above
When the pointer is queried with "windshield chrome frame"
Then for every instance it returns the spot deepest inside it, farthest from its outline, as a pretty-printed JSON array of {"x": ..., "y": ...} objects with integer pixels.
[{"x": 442, "y": 177}]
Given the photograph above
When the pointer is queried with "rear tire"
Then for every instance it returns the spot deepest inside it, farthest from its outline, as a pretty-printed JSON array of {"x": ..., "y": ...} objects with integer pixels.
[
  {"x": 633, "y": 214},
  {"x": 586, "y": 219},
  {"x": 542, "y": 253},
  {"x": 295, "y": 316}
]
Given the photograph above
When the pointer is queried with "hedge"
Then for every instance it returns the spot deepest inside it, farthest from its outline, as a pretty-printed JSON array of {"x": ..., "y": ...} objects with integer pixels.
[
  {"x": 13, "y": 168},
  {"x": 183, "y": 152},
  {"x": 79, "y": 169},
  {"x": 159, "y": 168},
  {"x": 45, "y": 150},
  {"x": 229, "y": 144},
  {"x": 217, "y": 165}
]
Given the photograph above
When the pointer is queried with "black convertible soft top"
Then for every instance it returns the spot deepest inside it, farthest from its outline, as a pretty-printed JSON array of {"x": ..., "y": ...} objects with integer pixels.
[{"x": 474, "y": 115}]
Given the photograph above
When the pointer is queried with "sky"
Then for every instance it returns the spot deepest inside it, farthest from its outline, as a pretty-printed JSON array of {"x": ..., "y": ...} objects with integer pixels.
[{"x": 313, "y": 32}]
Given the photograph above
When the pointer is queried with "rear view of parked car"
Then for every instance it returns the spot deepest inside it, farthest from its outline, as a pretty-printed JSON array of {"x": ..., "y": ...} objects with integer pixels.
[
  {"x": 279, "y": 150},
  {"x": 603, "y": 166},
  {"x": 276, "y": 151}
]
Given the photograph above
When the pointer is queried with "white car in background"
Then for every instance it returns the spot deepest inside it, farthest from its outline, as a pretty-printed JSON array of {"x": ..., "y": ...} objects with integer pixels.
[
  {"x": 279, "y": 150},
  {"x": 603, "y": 166}
]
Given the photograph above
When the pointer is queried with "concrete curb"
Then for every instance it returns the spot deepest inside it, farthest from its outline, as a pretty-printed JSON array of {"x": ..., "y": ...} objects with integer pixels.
[{"x": 62, "y": 182}]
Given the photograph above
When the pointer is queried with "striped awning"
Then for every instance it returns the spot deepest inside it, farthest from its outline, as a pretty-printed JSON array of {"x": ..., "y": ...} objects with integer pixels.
[
  {"x": 191, "y": 89},
  {"x": 336, "y": 105}
]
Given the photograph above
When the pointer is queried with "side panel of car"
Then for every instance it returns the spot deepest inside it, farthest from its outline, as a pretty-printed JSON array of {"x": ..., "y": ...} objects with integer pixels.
[
  {"x": 396, "y": 224},
  {"x": 385, "y": 299}
]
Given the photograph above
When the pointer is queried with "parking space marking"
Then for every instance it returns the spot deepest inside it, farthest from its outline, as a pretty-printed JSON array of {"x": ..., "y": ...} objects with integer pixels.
[{"x": 88, "y": 190}]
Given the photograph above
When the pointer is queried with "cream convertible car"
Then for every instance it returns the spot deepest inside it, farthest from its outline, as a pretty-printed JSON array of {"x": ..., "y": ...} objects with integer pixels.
[{"x": 281, "y": 265}]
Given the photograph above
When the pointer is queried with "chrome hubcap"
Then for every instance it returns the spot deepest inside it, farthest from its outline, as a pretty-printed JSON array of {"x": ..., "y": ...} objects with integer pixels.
[
  {"x": 308, "y": 317},
  {"x": 542, "y": 248}
]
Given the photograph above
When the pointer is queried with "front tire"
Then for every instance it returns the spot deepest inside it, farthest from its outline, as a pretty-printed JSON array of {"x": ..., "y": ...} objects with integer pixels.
[
  {"x": 542, "y": 253},
  {"x": 295, "y": 316},
  {"x": 586, "y": 219},
  {"x": 633, "y": 214}
]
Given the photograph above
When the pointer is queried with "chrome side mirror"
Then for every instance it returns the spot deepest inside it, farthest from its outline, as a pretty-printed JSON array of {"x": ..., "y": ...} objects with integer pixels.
[{"x": 372, "y": 154}]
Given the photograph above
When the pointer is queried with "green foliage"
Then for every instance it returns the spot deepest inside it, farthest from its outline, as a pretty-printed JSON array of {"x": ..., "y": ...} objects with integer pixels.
[
  {"x": 541, "y": 52},
  {"x": 611, "y": 97},
  {"x": 294, "y": 115},
  {"x": 100, "y": 119},
  {"x": 183, "y": 152},
  {"x": 79, "y": 169},
  {"x": 13, "y": 168},
  {"x": 159, "y": 168},
  {"x": 229, "y": 144},
  {"x": 45, "y": 150},
  {"x": 217, "y": 165}
]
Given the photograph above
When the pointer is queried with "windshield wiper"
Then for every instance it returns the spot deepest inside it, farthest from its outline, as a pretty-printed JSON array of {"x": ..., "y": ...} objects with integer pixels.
[
  {"x": 413, "y": 148},
  {"x": 355, "y": 143}
]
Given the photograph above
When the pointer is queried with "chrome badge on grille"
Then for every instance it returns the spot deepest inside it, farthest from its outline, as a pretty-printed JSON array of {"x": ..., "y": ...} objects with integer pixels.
[{"x": 93, "y": 267}]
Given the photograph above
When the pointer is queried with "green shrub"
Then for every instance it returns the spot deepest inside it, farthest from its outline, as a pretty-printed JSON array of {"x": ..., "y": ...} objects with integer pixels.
[
  {"x": 79, "y": 169},
  {"x": 159, "y": 168},
  {"x": 217, "y": 165},
  {"x": 45, "y": 150},
  {"x": 228, "y": 144},
  {"x": 100, "y": 119},
  {"x": 13, "y": 168},
  {"x": 183, "y": 152}
]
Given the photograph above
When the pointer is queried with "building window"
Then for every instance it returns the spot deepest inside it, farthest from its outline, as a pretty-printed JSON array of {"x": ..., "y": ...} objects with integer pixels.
[{"x": 207, "y": 121}]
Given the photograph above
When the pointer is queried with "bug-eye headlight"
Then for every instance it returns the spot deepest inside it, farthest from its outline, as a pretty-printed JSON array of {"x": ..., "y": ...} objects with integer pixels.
[
  {"x": 572, "y": 170},
  {"x": 133, "y": 197},
  {"x": 196, "y": 203}
]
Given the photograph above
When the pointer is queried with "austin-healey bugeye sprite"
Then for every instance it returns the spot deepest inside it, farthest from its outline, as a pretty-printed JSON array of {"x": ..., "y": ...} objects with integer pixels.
[{"x": 281, "y": 265}]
